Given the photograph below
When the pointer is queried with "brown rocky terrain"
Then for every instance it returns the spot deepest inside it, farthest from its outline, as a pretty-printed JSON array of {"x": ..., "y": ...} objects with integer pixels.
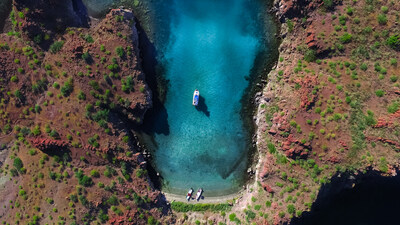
[
  {"x": 71, "y": 96},
  {"x": 331, "y": 103}
]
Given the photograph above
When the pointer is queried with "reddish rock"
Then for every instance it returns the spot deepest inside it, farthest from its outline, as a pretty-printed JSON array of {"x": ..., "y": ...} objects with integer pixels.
[
  {"x": 307, "y": 85},
  {"x": 387, "y": 122},
  {"x": 279, "y": 123},
  {"x": 344, "y": 145},
  {"x": 384, "y": 140},
  {"x": 46, "y": 144},
  {"x": 124, "y": 219},
  {"x": 334, "y": 159},
  {"x": 293, "y": 147},
  {"x": 266, "y": 166},
  {"x": 267, "y": 187}
]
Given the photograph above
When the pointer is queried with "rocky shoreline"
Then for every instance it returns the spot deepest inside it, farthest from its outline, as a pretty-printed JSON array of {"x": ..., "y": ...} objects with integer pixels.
[{"x": 279, "y": 103}]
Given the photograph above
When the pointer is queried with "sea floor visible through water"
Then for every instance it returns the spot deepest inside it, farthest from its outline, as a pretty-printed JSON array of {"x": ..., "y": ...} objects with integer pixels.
[{"x": 213, "y": 48}]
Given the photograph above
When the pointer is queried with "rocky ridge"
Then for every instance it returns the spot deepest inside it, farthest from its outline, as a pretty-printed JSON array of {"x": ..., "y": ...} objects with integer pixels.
[{"x": 72, "y": 95}]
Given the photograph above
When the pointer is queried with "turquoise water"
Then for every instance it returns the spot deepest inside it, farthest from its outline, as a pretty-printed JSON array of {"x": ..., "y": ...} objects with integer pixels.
[{"x": 210, "y": 46}]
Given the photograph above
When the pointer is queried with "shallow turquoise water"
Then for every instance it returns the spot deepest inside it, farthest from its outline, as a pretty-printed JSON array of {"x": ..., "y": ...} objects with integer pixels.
[
  {"x": 211, "y": 46},
  {"x": 208, "y": 45}
]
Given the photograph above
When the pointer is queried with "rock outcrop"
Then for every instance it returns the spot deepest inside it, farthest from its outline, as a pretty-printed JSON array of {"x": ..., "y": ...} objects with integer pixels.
[{"x": 48, "y": 144}]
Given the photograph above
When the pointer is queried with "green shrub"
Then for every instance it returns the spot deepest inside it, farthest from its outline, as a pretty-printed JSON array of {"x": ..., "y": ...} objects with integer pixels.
[
  {"x": 94, "y": 173},
  {"x": 383, "y": 167},
  {"x": 103, "y": 217},
  {"x": 83, "y": 200},
  {"x": 369, "y": 118},
  {"x": 394, "y": 41},
  {"x": 81, "y": 96},
  {"x": 310, "y": 55},
  {"x": 250, "y": 215},
  {"x": 18, "y": 164},
  {"x": 290, "y": 25},
  {"x": 120, "y": 51},
  {"x": 394, "y": 107},
  {"x": 88, "y": 38},
  {"x": 328, "y": 4},
  {"x": 56, "y": 47},
  {"x": 291, "y": 209},
  {"x": 113, "y": 200},
  {"x": 385, "y": 9},
  {"x": 125, "y": 139},
  {"x": 21, "y": 70},
  {"x": 83, "y": 179},
  {"x": 14, "y": 79},
  {"x": 349, "y": 11},
  {"x": 68, "y": 87},
  {"x": 346, "y": 38},
  {"x": 393, "y": 61},
  {"x": 364, "y": 67},
  {"x": 183, "y": 207},
  {"x": 382, "y": 19},
  {"x": 380, "y": 93},
  {"x": 271, "y": 148}
]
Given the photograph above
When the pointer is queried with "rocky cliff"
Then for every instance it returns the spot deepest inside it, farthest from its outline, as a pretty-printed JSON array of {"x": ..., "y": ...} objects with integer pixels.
[
  {"x": 71, "y": 96},
  {"x": 330, "y": 104}
]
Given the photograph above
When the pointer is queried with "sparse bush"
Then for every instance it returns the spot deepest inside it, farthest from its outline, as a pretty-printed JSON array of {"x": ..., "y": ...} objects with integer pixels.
[
  {"x": 328, "y": 4},
  {"x": 291, "y": 209},
  {"x": 88, "y": 38},
  {"x": 364, "y": 67},
  {"x": 56, "y": 47},
  {"x": 14, "y": 79},
  {"x": 18, "y": 164},
  {"x": 94, "y": 173},
  {"x": 394, "y": 41},
  {"x": 120, "y": 51},
  {"x": 113, "y": 200},
  {"x": 394, "y": 107},
  {"x": 382, "y": 19},
  {"x": 380, "y": 93},
  {"x": 310, "y": 55},
  {"x": 271, "y": 148},
  {"x": 346, "y": 38},
  {"x": 81, "y": 95},
  {"x": 67, "y": 88}
]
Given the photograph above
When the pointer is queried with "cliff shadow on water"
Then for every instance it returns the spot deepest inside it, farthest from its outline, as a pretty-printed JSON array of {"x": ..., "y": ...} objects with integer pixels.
[
  {"x": 150, "y": 66},
  {"x": 263, "y": 64},
  {"x": 365, "y": 199},
  {"x": 5, "y": 9}
]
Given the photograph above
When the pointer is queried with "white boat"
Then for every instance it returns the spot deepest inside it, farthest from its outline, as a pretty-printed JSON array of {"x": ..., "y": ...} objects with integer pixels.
[
  {"x": 198, "y": 195},
  {"x": 189, "y": 194},
  {"x": 196, "y": 96}
]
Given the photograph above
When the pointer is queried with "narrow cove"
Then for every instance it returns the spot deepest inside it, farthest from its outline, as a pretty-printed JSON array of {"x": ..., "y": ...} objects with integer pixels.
[
  {"x": 211, "y": 46},
  {"x": 220, "y": 48}
]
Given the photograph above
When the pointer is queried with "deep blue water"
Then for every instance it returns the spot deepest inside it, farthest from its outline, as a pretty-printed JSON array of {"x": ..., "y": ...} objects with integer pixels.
[{"x": 210, "y": 46}]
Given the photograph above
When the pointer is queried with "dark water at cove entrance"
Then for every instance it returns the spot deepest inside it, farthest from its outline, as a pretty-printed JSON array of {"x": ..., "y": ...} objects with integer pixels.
[
  {"x": 5, "y": 8},
  {"x": 375, "y": 200}
]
